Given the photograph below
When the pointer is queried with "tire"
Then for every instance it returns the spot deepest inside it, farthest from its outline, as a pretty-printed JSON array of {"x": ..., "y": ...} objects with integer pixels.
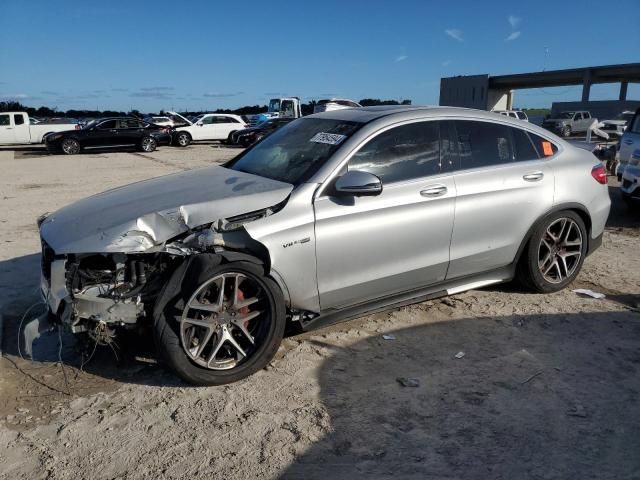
[
  {"x": 70, "y": 146},
  {"x": 245, "y": 142},
  {"x": 183, "y": 139},
  {"x": 568, "y": 258},
  {"x": 229, "y": 141},
  {"x": 172, "y": 326},
  {"x": 566, "y": 131},
  {"x": 148, "y": 144}
]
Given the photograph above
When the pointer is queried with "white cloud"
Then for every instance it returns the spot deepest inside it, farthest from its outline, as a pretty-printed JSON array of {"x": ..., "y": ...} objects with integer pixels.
[
  {"x": 513, "y": 36},
  {"x": 401, "y": 58},
  {"x": 514, "y": 21},
  {"x": 455, "y": 34},
  {"x": 446, "y": 63}
]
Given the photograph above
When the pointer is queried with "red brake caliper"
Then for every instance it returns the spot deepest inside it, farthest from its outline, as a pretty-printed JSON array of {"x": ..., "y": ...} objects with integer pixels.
[{"x": 243, "y": 310}]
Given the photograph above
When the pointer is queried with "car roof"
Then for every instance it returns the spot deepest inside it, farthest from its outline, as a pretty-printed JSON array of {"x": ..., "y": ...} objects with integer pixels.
[{"x": 390, "y": 114}]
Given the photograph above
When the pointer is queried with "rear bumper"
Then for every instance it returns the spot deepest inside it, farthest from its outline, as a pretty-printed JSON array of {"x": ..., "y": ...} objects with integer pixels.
[{"x": 594, "y": 244}]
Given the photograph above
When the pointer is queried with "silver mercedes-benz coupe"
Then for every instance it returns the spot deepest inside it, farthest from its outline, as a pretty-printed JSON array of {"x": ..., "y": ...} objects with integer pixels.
[{"x": 334, "y": 216}]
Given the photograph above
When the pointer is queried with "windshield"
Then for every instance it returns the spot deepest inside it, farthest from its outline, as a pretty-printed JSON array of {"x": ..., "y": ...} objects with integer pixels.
[
  {"x": 296, "y": 151},
  {"x": 274, "y": 105},
  {"x": 91, "y": 124},
  {"x": 565, "y": 115}
]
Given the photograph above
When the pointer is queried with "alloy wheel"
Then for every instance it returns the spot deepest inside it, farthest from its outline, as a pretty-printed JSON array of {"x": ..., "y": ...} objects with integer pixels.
[
  {"x": 183, "y": 140},
  {"x": 148, "y": 144},
  {"x": 225, "y": 321},
  {"x": 560, "y": 250},
  {"x": 70, "y": 146}
]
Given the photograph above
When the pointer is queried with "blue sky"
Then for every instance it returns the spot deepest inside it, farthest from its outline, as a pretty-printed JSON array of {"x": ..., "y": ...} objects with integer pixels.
[{"x": 196, "y": 55}]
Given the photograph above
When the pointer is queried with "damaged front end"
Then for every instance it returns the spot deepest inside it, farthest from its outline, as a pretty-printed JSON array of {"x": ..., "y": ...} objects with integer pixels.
[
  {"x": 106, "y": 258},
  {"x": 99, "y": 292}
]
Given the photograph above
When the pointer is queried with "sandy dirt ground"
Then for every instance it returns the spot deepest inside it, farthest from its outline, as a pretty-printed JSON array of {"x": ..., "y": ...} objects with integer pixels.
[{"x": 506, "y": 384}]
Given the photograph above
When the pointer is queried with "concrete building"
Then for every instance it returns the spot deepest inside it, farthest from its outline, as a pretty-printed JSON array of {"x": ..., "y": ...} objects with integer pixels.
[{"x": 496, "y": 92}]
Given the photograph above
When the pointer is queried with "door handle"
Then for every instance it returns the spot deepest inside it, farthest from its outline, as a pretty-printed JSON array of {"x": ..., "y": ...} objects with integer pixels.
[
  {"x": 9, "y": 128},
  {"x": 533, "y": 176},
  {"x": 434, "y": 191}
]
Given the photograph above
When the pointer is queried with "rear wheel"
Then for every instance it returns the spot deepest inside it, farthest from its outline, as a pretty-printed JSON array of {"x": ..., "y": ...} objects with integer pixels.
[
  {"x": 148, "y": 144},
  {"x": 227, "y": 324},
  {"x": 555, "y": 253},
  {"x": 70, "y": 146},
  {"x": 183, "y": 139}
]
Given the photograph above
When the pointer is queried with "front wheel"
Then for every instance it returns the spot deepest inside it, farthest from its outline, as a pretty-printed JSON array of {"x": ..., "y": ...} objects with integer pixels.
[
  {"x": 70, "y": 146},
  {"x": 148, "y": 144},
  {"x": 183, "y": 139},
  {"x": 555, "y": 253},
  {"x": 566, "y": 131},
  {"x": 227, "y": 324}
]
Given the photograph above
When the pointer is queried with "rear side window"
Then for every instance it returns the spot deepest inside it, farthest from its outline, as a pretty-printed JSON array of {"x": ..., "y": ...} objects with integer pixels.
[
  {"x": 523, "y": 148},
  {"x": 544, "y": 147},
  {"x": 18, "y": 119},
  {"x": 401, "y": 153},
  {"x": 5, "y": 120},
  {"x": 521, "y": 115},
  {"x": 482, "y": 144}
]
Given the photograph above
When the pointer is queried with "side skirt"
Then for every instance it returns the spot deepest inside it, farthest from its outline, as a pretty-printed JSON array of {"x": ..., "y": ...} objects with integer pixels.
[{"x": 333, "y": 316}]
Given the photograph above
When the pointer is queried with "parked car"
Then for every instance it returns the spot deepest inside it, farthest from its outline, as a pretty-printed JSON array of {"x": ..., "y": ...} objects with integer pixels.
[
  {"x": 329, "y": 104},
  {"x": 333, "y": 216},
  {"x": 251, "y": 135},
  {"x": 568, "y": 123},
  {"x": 16, "y": 128},
  {"x": 615, "y": 128},
  {"x": 628, "y": 158},
  {"x": 110, "y": 133},
  {"x": 210, "y": 126},
  {"x": 519, "y": 114},
  {"x": 161, "y": 121}
]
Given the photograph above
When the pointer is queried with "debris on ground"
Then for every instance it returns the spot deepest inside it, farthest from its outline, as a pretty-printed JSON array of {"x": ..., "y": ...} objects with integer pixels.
[
  {"x": 459, "y": 355},
  {"x": 588, "y": 293},
  {"x": 408, "y": 382},
  {"x": 389, "y": 337}
]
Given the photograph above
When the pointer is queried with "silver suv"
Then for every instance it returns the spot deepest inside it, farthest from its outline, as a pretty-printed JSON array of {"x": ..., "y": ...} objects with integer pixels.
[
  {"x": 568, "y": 123},
  {"x": 334, "y": 216}
]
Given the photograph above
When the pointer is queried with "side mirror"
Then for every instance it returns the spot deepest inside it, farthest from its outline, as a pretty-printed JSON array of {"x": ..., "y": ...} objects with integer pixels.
[
  {"x": 199, "y": 124},
  {"x": 358, "y": 184}
]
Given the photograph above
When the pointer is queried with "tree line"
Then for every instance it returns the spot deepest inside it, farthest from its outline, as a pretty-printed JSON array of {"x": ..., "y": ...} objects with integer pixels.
[{"x": 44, "y": 111}]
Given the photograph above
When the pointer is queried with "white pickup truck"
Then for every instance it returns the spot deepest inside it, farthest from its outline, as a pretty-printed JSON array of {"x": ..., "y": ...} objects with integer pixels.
[{"x": 16, "y": 128}]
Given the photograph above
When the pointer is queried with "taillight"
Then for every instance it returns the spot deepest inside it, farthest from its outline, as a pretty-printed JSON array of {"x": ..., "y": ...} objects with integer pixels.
[
  {"x": 599, "y": 173},
  {"x": 78, "y": 127}
]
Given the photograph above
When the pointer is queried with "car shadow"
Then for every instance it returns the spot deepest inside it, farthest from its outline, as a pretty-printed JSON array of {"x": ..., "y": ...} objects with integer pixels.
[
  {"x": 621, "y": 216},
  {"x": 534, "y": 396}
]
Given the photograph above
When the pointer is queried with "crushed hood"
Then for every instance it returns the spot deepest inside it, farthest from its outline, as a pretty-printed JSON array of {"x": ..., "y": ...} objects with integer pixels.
[{"x": 143, "y": 215}]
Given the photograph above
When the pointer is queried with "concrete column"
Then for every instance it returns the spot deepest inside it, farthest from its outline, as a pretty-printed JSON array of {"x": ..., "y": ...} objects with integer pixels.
[
  {"x": 586, "y": 86},
  {"x": 623, "y": 91}
]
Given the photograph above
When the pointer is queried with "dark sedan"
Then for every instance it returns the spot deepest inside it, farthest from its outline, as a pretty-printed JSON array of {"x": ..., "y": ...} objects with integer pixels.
[
  {"x": 251, "y": 135},
  {"x": 110, "y": 133}
]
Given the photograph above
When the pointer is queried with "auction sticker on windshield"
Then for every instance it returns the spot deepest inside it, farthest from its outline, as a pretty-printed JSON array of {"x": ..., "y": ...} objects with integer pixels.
[{"x": 330, "y": 138}]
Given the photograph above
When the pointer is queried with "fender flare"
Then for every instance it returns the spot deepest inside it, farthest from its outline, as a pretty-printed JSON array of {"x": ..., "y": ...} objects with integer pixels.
[{"x": 576, "y": 207}]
